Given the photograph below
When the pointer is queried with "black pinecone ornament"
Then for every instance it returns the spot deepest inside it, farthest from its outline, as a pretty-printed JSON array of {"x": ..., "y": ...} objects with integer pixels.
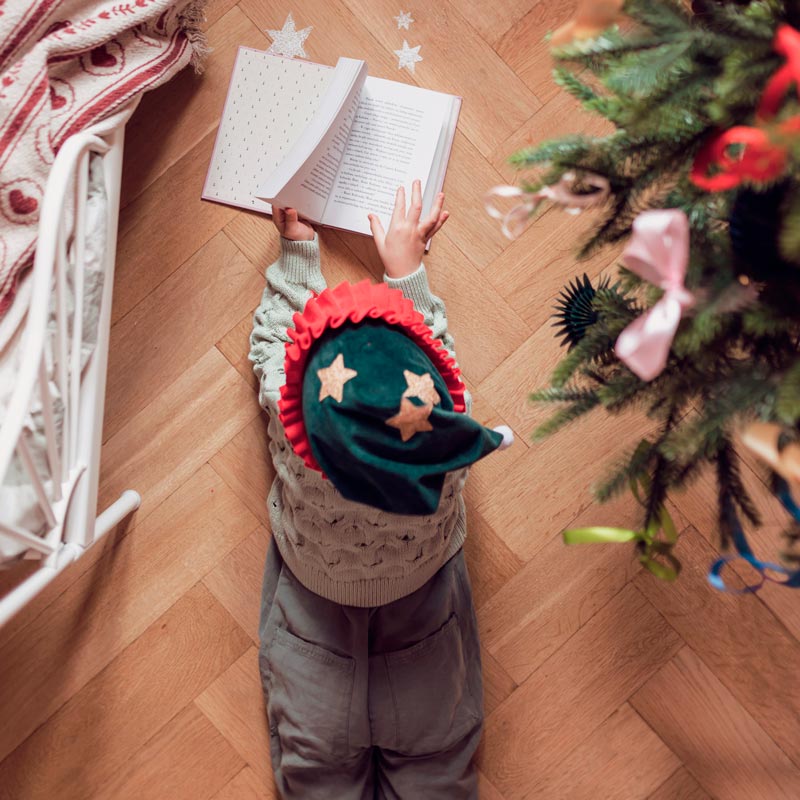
[{"x": 575, "y": 311}]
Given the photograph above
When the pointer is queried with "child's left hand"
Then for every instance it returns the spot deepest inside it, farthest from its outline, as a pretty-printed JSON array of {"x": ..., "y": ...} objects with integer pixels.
[{"x": 290, "y": 226}]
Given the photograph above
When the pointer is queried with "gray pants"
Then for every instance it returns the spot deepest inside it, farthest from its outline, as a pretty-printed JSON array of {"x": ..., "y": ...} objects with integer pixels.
[{"x": 368, "y": 703}]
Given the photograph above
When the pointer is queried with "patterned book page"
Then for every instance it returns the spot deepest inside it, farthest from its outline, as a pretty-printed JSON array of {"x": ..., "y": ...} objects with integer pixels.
[{"x": 271, "y": 99}]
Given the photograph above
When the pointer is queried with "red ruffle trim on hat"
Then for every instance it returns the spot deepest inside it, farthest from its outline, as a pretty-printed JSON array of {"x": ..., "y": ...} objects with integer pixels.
[{"x": 332, "y": 309}]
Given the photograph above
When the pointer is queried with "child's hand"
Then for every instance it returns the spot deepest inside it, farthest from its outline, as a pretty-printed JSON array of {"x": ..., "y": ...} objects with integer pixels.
[
  {"x": 401, "y": 249},
  {"x": 291, "y": 226}
]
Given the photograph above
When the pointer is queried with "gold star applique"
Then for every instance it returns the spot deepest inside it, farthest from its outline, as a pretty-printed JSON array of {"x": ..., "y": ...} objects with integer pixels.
[
  {"x": 411, "y": 419},
  {"x": 334, "y": 378},
  {"x": 421, "y": 386}
]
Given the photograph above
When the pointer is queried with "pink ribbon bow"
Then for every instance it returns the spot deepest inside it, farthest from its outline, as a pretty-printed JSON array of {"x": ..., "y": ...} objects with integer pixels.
[
  {"x": 513, "y": 222},
  {"x": 658, "y": 251}
]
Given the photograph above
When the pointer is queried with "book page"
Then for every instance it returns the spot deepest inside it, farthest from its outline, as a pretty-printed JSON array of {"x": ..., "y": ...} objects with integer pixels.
[
  {"x": 270, "y": 101},
  {"x": 442, "y": 155},
  {"x": 434, "y": 184},
  {"x": 392, "y": 141},
  {"x": 305, "y": 176}
]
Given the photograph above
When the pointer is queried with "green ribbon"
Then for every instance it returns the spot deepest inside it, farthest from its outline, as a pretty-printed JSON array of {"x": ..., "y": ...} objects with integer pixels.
[
  {"x": 598, "y": 533},
  {"x": 655, "y": 542}
]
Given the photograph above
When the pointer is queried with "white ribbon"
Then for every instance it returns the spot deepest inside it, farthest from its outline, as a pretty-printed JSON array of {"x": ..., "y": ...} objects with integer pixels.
[{"x": 562, "y": 194}]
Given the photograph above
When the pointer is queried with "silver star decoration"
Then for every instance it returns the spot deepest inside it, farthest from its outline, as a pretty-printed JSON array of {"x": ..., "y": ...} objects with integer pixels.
[
  {"x": 408, "y": 56},
  {"x": 404, "y": 20},
  {"x": 288, "y": 41}
]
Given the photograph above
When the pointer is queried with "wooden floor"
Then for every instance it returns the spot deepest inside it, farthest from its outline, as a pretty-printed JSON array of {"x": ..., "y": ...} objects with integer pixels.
[{"x": 135, "y": 675}]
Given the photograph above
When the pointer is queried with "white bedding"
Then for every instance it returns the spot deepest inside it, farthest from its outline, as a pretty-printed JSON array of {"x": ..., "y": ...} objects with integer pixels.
[{"x": 18, "y": 504}]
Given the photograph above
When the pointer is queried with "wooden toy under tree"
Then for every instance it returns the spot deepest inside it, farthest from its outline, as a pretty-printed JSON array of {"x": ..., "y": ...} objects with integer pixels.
[{"x": 701, "y": 328}]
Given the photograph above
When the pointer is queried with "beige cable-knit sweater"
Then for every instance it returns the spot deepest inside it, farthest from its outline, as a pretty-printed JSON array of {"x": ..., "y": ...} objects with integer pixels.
[{"x": 347, "y": 552}]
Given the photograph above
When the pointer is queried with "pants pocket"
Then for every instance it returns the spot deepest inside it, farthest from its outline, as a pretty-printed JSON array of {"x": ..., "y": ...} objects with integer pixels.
[
  {"x": 420, "y": 702},
  {"x": 310, "y": 691}
]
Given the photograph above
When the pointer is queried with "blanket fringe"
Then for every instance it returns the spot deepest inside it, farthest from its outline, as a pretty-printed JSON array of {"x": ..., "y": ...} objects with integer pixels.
[{"x": 191, "y": 17}]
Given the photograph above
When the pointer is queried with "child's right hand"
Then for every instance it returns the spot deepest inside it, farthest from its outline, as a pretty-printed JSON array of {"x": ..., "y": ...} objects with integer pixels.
[
  {"x": 290, "y": 226},
  {"x": 402, "y": 248}
]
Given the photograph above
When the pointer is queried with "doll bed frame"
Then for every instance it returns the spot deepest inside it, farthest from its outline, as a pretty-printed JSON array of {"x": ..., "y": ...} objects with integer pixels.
[{"x": 68, "y": 497}]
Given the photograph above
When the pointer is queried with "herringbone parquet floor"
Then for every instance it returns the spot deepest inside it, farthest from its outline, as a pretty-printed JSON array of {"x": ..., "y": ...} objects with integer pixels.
[{"x": 135, "y": 676}]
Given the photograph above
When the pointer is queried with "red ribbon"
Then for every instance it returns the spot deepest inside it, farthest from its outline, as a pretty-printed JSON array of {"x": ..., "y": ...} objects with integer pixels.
[
  {"x": 787, "y": 43},
  {"x": 760, "y": 158}
]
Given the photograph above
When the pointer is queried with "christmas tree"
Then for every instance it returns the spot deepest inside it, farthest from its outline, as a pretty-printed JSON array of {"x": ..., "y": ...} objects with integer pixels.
[{"x": 700, "y": 179}]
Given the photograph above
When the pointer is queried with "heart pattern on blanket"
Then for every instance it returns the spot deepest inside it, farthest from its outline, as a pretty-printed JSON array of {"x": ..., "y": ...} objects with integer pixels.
[
  {"x": 44, "y": 145},
  {"x": 102, "y": 58},
  {"x": 62, "y": 95},
  {"x": 107, "y": 59},
  {"x": 56, "y": 100},
  {"x": 19, "y": 201},
  {"x": 73, "y": 64}
]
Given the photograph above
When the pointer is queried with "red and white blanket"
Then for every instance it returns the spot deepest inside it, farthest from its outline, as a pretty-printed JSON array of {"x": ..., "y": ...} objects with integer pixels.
[{"x": 65, "y": 64}]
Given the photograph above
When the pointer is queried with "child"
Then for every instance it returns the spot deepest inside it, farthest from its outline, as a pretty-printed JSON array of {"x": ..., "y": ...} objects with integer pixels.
[{"x": 369, "y": 646}]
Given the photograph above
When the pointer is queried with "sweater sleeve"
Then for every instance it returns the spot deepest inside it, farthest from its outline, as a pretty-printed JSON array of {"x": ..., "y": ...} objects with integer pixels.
[
  {"x": 290, "y": 283},
  {"x": 415, "y": 287}
]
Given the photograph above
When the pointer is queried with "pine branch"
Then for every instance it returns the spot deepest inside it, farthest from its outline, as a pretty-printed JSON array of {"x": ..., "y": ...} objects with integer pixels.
[
  {"x": 730, "y": 487},
  {"x": 623, "y": 389},
  {"x": 574, "y": 85},
  {"x": 700, "y": 331},
  {"x": 725, "y": 393},
  {"x": 594, "y": 52},
  {"x": 658, "y": 484},
  {"x": 552, "y": 394},
  {"x": 666, "y": 16},
  {"x": 787, "y": 401},
  {"x": 756, "y": 24},
  {"x": 570, "y": 149},
  {"x": 665, "y": 64},
  {"x": 627, "y": 469},
  {"x": 657, "y": 494},
  {"x": 789, "y": 238},
  {"x": 596, "y": 344},
  {"x": 564, "y": 417},
  {"x": 790, "y": 554}
]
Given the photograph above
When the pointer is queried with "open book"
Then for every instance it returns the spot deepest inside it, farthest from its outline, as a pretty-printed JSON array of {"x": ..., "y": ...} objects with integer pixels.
[{"x": 333, "y": 143}]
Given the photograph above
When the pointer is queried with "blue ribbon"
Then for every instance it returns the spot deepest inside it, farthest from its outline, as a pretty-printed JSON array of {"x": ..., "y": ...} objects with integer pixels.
[{"x": 745, "y": 552}]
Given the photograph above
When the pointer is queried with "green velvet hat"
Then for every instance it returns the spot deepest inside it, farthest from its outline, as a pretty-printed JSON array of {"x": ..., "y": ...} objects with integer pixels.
[{"x": 374, "y": 403}]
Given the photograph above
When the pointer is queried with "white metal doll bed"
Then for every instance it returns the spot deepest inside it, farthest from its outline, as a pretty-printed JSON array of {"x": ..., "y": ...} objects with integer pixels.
[{"x": 53, "y": 368}]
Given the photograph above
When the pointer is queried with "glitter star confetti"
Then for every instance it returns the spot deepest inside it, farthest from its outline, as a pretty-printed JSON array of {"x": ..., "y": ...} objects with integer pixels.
[
  {"x": 421, "y": 386},
  {"x": 333, "y": 379},
  {"x": 411, "y": 419},
  {"x": 288, "y": 41},
  {"x": 404, "y": 20},
  {"x": 408, "y": 56}
]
